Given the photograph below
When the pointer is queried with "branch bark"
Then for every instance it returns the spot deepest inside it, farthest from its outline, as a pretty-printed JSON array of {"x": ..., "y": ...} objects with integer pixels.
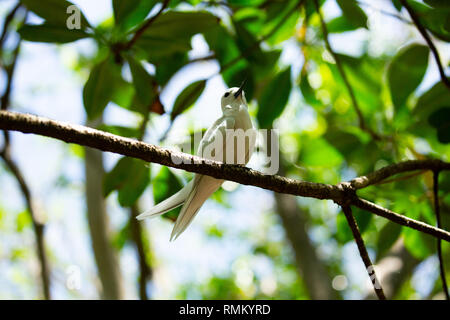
[
  {"x": 402, "y": 220},
  {"x": 438, "y": 220},
  {"x": 145, "y": 269},
  {"x": 363, "y": 252},
  {"x": 340, "y": 193},
  {"x": 393, "y": 270}
]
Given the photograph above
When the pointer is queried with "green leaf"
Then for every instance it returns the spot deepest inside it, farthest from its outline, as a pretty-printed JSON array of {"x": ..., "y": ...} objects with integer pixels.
[
  {"x": 128, "y": 13},
  {"x": 433, "y": 99},
  {"x": 187, "y": 98},
  {"x": 23, "y": 220},
  {"x": 418, "y": 244},
  {"x": 318, "y": 152},
  {"x": 245, "y": 3},
  {"x": 143, "y": 82},
  {"x": 168, "y": 66},
  {"x": 436, "y": 20},
  {"x": 246, "y": 44},
  {"x": 122, "y": 237},
  {"x": 397, "y": 5},
  {"x": 345, "y": 142},
  {"x": 340, "y": 24},
  {"x": 130, "y": 177},
  {"x": 181, "y": 24},
  {"x": 53, "y": 11},
  {"x": 276, "y": 23},
  {"x": 50, "y": 33},
  {"x": 387, "y": 237},
  {"x": 274, "y": 98},
  {"x": 172, "y": 32},
  {"x": 165, "y": 184},
  {"x": 353, "y": 13},
  {"x": 440, "y": 119},
  {"x": 406, "y": 72},
  {"x": 307, "y": 91},
  {"x": 222, "y": 43},
  {"x": 124, "y": 94},
  {"x": 438, "y": 3},
  {"x": 226, "y": 50},
  {"x": 344, "y": 233},
  {"x": 310, "y": 8},
  {"x": 99, "y": 88}
]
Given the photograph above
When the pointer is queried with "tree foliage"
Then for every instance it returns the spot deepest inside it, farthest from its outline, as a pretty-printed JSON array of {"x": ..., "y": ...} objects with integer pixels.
[{"x": 147, "y": 43}]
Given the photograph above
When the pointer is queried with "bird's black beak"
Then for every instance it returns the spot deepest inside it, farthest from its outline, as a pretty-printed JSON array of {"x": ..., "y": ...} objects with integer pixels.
[{"x": 239, "y": 92}]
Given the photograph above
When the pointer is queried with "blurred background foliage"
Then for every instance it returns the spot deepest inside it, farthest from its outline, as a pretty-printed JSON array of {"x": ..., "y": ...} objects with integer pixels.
[{"x": 293, "y": 248}]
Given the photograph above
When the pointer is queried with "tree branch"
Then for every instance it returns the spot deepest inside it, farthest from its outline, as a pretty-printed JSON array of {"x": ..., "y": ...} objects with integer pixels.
[
  {"x": 438, "y": 220},
  {"x": 340, "y": 193},
  {"x": 393, "y": 169},
  {"x": 363, "y": 252},
  {"x": 145, "y": 269},
  {"x": 427, "y": 38},
  {"x": 402, "y": 220}
]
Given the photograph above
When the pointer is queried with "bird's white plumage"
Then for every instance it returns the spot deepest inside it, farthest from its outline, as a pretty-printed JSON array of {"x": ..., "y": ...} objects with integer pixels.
[{"x": 200, "y": 188}]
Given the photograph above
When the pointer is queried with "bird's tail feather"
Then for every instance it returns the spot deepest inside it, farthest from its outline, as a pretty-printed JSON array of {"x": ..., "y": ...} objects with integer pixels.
[
  {"x": 170, "y": 203},
  {"x": 202, "y": 189}
]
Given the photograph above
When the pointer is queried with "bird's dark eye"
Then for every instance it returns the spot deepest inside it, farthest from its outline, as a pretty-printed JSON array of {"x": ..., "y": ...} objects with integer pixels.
[{"x": 226, "y": 94}]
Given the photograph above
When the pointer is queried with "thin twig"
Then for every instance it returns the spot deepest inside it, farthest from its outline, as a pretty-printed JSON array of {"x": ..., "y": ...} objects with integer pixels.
[
  {"x": 405, "y": 177},
  {"x": 363, "y": 252},
  {"x": 356, "y": 107},
  {"x": 438, "y": 220},
  {"x": 145, "y": 26},
  {"x": 400, "y": 219},
  {"x": 37, "y": 225},
  {"x": 145, "y": 270},
  {"x": 427, "y": 38},
  {"x": 10, "y": 69},
  {"x": 380, "y": 175},
  {"x": 208, "y": 57},
  {"x": 8, "y": 19},
  {"x": 104, "y": 141}
]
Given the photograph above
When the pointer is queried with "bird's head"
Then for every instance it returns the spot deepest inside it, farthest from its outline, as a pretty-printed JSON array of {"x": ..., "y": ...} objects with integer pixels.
[{"x": 234, "y": 97}]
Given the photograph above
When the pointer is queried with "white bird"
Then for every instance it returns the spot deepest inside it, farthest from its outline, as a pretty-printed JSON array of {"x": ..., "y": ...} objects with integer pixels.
[{"x": 200, "y": 188}]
